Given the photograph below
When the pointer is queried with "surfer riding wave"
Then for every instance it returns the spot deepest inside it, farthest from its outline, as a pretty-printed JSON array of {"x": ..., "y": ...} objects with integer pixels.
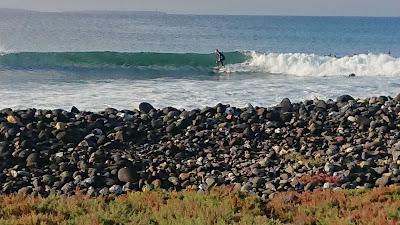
[{"x": 220, "y": 58}]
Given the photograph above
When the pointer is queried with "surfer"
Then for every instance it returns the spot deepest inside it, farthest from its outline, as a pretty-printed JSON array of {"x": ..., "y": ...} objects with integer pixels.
[{"x": 220, "y": 58}]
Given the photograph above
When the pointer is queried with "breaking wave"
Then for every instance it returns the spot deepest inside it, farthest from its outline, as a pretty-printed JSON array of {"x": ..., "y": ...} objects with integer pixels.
[
  {"x": 302, "y": 64},
  {"x": 299, "y": 64}
]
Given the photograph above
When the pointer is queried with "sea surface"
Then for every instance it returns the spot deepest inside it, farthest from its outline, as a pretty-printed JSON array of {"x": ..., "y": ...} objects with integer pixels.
[{"x": 95, "y": 60}]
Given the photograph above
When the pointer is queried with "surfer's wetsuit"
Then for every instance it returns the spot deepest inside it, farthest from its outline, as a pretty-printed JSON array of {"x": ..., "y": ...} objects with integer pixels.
[{"x": 220, "y": 58}]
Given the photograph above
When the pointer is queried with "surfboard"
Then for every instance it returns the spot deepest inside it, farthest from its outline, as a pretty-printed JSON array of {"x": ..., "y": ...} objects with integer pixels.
[{"x": 216, "y": 69}]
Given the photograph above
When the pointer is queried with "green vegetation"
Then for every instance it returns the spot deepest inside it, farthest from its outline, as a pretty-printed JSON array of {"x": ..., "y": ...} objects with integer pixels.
[{"x": 220, "y": 206}]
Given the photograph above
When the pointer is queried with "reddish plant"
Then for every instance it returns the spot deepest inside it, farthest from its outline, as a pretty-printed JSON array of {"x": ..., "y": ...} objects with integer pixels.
[{"x": 319, "y": 178}]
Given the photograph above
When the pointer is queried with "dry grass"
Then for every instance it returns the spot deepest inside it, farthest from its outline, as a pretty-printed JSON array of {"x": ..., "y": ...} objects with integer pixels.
[
  {"x": 310, "y": 161},
  {"x": 376, "y": 206},
  {"x": 220, "y": 206}
]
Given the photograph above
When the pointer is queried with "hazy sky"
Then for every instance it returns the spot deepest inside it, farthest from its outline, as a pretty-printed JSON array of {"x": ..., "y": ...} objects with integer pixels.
[{"x": 261, "y": 7}]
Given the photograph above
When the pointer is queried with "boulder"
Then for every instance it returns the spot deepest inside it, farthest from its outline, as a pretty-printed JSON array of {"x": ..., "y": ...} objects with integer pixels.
[
  {"x": 127, "y": 175},
  {"x": 145, "y": 107}
]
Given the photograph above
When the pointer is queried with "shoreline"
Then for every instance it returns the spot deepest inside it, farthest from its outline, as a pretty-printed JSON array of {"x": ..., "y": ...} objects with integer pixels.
[{"x": 342, "y": 144}]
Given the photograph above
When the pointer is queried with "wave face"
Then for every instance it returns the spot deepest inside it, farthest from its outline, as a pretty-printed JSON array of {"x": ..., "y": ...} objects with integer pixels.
[
  {"x": 93, "y": 60},
  {"x": 299, "y": 64}
]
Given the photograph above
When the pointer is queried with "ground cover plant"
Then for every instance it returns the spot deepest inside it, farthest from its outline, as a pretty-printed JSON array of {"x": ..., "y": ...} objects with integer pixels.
[{"x": 223, "y": 205}]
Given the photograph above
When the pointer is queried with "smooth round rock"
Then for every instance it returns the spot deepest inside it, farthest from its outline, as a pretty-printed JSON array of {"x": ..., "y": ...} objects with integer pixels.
[
  {"x": 145, "y": 107},
  {"x": 344, "y": 99},
  {"x": 127, "y": 175},
  {"x": 32, "y": 160}
]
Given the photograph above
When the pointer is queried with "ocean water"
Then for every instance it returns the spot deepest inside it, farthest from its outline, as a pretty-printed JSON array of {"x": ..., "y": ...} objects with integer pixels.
[{"x": 95, "y": 60}]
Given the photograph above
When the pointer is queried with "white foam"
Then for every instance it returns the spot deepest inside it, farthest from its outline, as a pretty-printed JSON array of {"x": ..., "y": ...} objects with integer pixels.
[
  {"x": 302, "y": 64},
  {"x": 40, "y": 92},
  {"x": 3, "y": 51}
]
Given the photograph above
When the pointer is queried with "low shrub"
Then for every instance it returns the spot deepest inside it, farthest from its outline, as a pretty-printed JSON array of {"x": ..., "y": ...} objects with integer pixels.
[{"x": 223, "y": 205}]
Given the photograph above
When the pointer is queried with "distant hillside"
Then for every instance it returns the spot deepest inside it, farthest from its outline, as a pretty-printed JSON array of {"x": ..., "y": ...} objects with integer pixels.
[{"x": 12, "y": 10}]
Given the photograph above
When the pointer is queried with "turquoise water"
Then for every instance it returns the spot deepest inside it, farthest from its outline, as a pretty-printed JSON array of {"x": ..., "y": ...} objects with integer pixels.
[
  {"x": 93, "y": 60},
  {"x": 137, "y": 32},
  {"x": 118, "y": 59}
]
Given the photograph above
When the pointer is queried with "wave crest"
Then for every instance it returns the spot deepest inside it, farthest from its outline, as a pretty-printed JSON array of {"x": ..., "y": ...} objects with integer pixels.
[{"x": 302, "y": 64}]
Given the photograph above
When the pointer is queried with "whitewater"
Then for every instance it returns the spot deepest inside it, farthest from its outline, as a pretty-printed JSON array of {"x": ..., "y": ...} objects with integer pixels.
[
  {"x": 94, "y": 60},
  {"x": 302, "y": 64}
]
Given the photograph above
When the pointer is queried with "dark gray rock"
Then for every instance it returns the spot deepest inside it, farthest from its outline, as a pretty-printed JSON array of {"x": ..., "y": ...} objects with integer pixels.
[
  {"x": 397, "y": 98},
  {"x": 145, "y": 107},
  {"x": 74, "y": 110},
  {"x": 344, "y": 99},
  {"x": 171, "y": 128},
  {"x": 321, "y": 105},
  {"x": 273, "y": 115},
  {"x": 286, "y": 105},
  {"x": 363, "y": 121},
  {"x": 158, "y": 123},
  {"x": 32, "y": 160},
  {"x": 127, "y": 175},
  {"x": 4, "y": 150}
]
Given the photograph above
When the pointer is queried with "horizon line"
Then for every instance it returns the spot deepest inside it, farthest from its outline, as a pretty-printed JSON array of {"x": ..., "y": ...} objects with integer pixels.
[{"x": 189, "y": 14}]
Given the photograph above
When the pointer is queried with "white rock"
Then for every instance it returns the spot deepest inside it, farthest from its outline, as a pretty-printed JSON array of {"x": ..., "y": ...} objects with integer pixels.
[
  {"x": 60, "y": 126},
  {"x": 14, "y": 173},
  {"x": 351, "y": 119},
  {"x": 116, "y": 189},
  {"x": 327, "y": 185},
  {"x": 278, "y": 130}
]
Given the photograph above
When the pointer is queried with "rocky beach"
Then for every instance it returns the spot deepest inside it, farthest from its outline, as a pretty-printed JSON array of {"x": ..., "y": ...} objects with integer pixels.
[{"x": 337, "y": 144}]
